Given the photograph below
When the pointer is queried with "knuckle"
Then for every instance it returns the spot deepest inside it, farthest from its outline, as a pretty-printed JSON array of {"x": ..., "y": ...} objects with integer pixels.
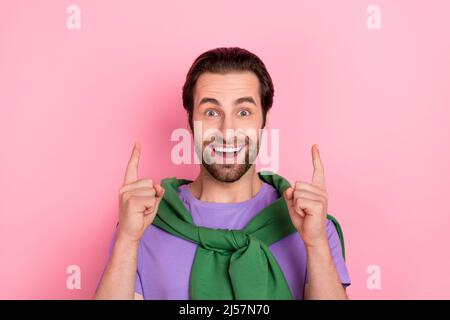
[
  {"x": 124, "y": 195},
  {"x": 150, "y": 206},
  {"x": 298, "y": 193},
  {"x": 148, "y": 181},
  {"x": 122, "y": 190},
  {"x": 131, "y": 199},
  {"x": 132, "y": 202}
]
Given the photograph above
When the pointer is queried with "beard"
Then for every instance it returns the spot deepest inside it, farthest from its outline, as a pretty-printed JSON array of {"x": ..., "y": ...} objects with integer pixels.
[
  {"x": 227, "y": 172},
  {"x": 231, "y": 172}
]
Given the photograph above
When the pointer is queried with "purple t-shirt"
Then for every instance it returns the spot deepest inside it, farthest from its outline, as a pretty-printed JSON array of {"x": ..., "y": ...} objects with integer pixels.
[{"x": 165, "y": 261}]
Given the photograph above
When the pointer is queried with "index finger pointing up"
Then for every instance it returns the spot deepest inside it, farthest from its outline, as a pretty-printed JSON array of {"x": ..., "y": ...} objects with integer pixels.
[
  {"x": 318, "y": 178},
  {"x": 131, "y": 173}
]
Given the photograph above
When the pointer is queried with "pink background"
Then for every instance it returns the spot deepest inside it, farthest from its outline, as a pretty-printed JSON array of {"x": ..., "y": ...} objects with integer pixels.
[{"x": 73, "y": 101}]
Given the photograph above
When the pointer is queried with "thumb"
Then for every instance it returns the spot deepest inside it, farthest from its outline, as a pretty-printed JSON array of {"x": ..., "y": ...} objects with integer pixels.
[
  {"x": 159, "y": 194},
  {"x": 159, "y": 191},
  {"x": 289, "y": 194}
]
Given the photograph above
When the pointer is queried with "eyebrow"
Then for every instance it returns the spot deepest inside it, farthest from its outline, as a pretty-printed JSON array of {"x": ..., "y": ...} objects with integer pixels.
[{"x": 235, "y": 102}]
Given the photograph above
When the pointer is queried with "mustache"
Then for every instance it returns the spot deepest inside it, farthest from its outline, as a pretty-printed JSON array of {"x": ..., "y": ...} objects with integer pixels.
[{"x": 233, "y": 142}]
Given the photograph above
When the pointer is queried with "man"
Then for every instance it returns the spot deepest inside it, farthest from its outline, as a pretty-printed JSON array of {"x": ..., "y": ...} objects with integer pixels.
[{"x": 232, "y": 233}]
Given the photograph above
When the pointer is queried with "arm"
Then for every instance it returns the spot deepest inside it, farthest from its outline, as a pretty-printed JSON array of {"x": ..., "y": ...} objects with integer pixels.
[
  {"x": 323, "y": 279},
  {"x": 119, "y": 279},
  {"x": 308, "y": 204},
  {"x": 138, "y": 296},
  {"x": 138, "y": 202}
]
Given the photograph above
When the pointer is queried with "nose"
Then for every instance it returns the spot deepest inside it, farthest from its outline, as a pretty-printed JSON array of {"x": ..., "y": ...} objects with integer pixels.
[{"x": 228, "y": 129}]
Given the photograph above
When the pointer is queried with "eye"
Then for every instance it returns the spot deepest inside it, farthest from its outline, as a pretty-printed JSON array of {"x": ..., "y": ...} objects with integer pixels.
[
  {"x": 211, "y": 113},
  {"x": 244, "y": 113}
]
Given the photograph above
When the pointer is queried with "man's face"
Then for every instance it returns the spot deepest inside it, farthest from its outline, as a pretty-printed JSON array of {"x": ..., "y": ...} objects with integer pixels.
[{"x": 228, "y": 106}]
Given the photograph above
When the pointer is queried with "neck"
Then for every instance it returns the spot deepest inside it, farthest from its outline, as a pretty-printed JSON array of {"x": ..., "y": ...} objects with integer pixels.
[{"x": 206, "y": 188}]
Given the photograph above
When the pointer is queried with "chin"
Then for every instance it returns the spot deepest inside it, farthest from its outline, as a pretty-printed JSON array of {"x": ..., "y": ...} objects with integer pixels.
[{"x": 227, "y": 172}]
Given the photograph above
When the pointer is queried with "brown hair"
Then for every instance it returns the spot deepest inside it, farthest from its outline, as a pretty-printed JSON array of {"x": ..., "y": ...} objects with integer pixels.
[{"x": 223, "y": 60}]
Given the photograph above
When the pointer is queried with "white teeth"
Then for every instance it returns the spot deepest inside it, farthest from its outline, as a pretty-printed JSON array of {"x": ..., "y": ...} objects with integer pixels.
[{"x": 228, "y": 149}]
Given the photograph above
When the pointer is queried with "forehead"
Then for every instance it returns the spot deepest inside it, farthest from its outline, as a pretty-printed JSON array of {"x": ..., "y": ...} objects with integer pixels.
[{"x": 225, "y": 85}]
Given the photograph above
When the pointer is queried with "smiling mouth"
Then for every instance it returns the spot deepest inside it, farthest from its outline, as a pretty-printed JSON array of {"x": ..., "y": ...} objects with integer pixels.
[{"x": 227, "y": 151}]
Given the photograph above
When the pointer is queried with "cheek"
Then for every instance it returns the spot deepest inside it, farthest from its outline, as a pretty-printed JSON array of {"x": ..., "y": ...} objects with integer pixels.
[
  {"x": 251, "y": 127},
  {"x": 256, "y": 120},
  {"x": 205, "y": 133}
]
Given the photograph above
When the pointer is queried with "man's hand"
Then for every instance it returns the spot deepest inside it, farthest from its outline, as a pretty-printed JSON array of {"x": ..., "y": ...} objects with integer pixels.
[
  {"x": 138, "y": 201},
  {"x": 307, "y": 204}
]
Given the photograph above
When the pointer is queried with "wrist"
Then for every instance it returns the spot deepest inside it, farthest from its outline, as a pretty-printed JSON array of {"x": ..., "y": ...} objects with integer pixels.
[
  {"x": 126, "y": 242},
  {"x": 319, "y": 252},
  {"x": 319, "y": 244}
]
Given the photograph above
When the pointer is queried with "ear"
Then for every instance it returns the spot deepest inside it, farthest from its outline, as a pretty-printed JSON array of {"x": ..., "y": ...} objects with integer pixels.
[
  {"x": 266, "y": 125},
  {"x": 191, "y": 130},
  {"x": 187, "y": 124}
]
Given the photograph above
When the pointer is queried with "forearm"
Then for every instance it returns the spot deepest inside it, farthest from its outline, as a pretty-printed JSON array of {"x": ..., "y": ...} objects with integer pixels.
[
  {"x": 119, "y": 278},
  {"x": 324, "y": 281}
]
